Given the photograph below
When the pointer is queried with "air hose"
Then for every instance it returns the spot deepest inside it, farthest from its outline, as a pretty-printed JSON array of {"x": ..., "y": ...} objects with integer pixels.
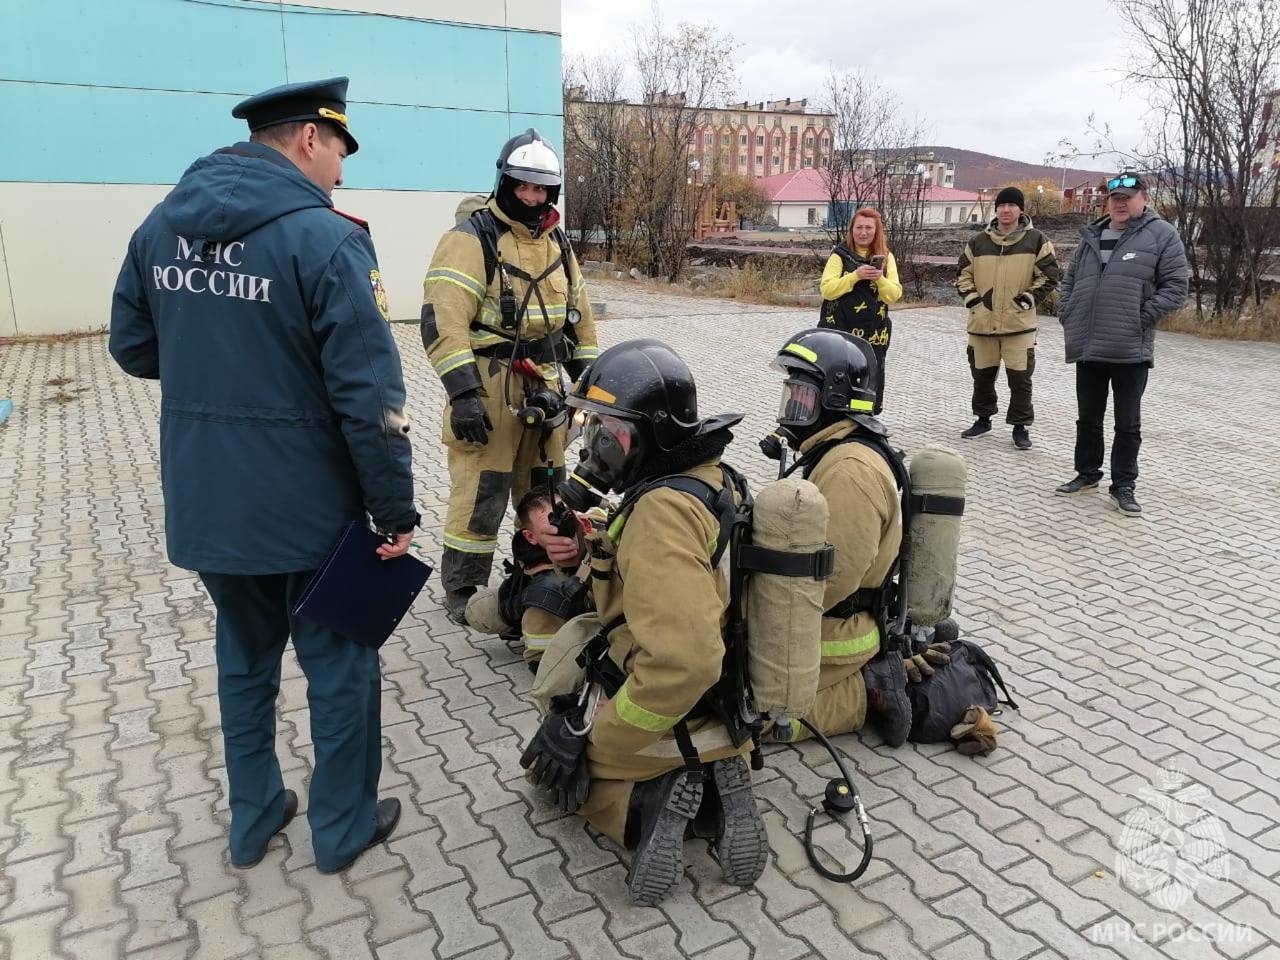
[{"x": 839, "y": 799}]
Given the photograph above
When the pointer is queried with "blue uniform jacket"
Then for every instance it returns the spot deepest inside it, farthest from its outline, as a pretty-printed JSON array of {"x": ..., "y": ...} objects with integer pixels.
[{"x": 256, "y": 306}]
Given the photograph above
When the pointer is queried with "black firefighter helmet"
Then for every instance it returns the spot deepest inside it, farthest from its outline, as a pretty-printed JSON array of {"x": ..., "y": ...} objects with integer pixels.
[
  {"x": 831, "y": 375},
  {"x": 636, "y": 401}
]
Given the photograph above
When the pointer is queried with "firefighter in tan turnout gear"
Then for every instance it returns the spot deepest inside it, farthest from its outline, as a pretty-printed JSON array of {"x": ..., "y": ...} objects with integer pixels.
[
  {"x": 657, "y": 759},
  {"x": 505, "y": 308},
  {"x": 825, "y": 414}
]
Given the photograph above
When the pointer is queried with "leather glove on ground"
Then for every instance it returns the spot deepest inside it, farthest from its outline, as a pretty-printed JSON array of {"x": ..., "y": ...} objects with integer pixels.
[
  {"x": 937, "y": 654},
  {"x": 917, "y": 668},
  {"x": 468, "y": 419},
  {"x": 556, "y": 758},
  {"x": 1024, "y": 301},
  {"x": 975, "y": 734},
  {"x": 771, "y": 446}
]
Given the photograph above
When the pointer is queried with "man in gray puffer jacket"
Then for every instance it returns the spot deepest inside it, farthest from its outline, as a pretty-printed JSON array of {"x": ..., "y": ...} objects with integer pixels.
[{"x": 1129, "y": 271}]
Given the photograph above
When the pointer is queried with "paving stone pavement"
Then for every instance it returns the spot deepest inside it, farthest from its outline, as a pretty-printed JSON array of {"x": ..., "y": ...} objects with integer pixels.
[{"x": 1133, "y": 645}]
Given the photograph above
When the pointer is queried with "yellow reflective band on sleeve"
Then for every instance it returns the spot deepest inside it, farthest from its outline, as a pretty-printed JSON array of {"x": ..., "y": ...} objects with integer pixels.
[
  {"x": 866, "y": 405},
  {"x": 537, "y": 641},
  {"x": 453, "y": 361},
  {"x": 803, "y": 353},
  {"x": 458, "y": 279},
  {"x": 615, "y": 528},
  {"x": 466, "y": 545},
  {"x": 853, "y": 646},
  {"x": 632, "y": 713},
  {"x": 586, "y": 353}
]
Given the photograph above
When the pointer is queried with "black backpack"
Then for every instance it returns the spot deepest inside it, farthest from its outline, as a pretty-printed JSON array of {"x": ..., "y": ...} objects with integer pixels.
[{"x": 939, "y": 702}]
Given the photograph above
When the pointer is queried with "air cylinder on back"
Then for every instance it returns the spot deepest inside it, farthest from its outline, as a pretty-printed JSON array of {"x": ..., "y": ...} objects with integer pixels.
[
  {"x": 937, "y": 490},
  {"x": 784, "y": 613}
]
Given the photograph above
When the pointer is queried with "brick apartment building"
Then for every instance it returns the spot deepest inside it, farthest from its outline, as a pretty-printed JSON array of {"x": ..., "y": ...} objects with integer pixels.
[{"x": 754, "y": 140}]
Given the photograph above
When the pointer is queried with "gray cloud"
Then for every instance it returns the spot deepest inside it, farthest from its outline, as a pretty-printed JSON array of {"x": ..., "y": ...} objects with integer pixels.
[{"x": 1010, "y": 77}]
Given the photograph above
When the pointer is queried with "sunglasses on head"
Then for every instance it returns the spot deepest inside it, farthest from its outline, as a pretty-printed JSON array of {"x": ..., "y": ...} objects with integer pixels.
[{"x": 1123, "y": 181}]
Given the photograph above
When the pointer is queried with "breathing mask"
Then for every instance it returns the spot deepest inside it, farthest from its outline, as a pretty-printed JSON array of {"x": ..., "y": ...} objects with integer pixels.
[
  {"x": 610, "y": 451},
  {"x": 544, "y": 409}
]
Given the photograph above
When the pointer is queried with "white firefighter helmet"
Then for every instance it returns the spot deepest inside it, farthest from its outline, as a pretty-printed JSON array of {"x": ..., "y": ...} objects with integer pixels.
[{"x": 529, "y": 157}]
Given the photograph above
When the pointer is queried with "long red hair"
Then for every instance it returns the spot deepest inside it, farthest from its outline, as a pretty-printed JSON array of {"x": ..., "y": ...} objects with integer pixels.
[{"x": 879, "y": 246}]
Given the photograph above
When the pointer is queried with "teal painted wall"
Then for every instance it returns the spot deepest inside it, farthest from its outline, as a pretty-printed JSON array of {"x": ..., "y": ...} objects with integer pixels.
[{"x": 131, "y": 91}]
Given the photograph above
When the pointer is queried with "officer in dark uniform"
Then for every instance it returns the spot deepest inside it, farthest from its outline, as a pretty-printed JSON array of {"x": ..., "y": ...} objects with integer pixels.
[{"x": 260, "y": 310}]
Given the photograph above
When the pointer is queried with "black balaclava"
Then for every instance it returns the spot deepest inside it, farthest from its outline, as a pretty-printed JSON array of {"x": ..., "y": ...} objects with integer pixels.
[{"x": 517, "y": 209}]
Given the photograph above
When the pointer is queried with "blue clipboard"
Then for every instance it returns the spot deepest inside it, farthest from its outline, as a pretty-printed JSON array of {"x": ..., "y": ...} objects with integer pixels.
[{"x": 358, "y": 594}]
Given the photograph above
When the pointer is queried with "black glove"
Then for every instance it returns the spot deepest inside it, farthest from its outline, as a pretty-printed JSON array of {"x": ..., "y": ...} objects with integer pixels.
[
  {"x": 556, "y": 757},
  {"x": 972, "y": 300},
  {"x": 771, "y": 446},
  {"x": 468, "y": 419},
  {"x": 1024, "y": 301}
]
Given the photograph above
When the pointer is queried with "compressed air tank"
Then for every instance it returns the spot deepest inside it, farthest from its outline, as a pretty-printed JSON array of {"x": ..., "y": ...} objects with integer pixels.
[
  {"x": 784, "y": 613},
  {"x": 937, "y": 492}
]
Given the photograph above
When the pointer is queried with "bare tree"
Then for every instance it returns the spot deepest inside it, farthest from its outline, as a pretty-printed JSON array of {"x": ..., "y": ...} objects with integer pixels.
[
  {"x": 599, "y": 148},
  {"x": 681, "y": 74},
  {"x": 1209, "y": 67},
  {"x": 875, "y": 163}
]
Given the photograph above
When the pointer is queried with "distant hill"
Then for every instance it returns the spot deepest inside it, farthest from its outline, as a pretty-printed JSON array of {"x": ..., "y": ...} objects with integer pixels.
[{"x": 983, "y": 171}]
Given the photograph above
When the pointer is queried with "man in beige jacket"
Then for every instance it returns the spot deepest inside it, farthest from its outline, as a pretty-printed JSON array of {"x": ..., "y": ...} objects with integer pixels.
[{"x": 1004, "y": 274}]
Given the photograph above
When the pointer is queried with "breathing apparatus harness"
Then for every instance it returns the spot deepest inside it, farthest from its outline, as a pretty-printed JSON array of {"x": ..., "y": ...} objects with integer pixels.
[
  {"x": 730, "y": 700},
  {"x": 543, "y": 407}
]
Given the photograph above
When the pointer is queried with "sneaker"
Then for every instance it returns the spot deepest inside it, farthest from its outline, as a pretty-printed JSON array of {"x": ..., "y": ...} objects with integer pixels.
[
  {"x": 980, "y": 426},
  {"x": 1081, "y": 482},
  {"x": 887, "y": 702},
  {"x": 1122, "y": 499},
  {"x": 663, "y": 809},
  {"x": 741, "y": 843},
  {"x": 1021, "y": 437}
]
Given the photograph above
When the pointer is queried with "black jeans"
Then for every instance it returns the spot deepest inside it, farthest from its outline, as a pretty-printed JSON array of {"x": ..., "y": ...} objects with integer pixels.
[{"x": 1127, "y": 381}]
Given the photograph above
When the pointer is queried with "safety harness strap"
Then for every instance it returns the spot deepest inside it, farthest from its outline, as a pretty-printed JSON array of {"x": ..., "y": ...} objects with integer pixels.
[{"x": 600, "y": 668}]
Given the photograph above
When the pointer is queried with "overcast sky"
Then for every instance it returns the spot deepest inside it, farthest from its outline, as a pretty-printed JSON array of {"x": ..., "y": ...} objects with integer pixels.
[{"x": 1008, "y": 77}]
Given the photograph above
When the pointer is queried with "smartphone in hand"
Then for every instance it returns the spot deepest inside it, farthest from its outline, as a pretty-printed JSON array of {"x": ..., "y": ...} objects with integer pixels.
[{"x": 878, "y": 261}]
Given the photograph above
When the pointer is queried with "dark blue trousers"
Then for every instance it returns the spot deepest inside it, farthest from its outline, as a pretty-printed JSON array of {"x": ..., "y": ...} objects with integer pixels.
[{"x": 343, "y": 692}]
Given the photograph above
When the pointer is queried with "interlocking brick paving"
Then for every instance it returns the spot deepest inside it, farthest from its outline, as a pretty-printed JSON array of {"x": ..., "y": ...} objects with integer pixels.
[{"x": 1131, "y": 644}]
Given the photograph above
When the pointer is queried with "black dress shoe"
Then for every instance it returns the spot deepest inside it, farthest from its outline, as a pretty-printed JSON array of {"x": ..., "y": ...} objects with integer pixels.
[
  {"x": 290, "y": 811},
  {"x": 385, "y": 817}
]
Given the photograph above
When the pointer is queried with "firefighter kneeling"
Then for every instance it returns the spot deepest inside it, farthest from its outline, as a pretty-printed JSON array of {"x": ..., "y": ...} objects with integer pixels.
[
  {"x": 658, "y": 758},
  {"x": 826, "y": 415}
]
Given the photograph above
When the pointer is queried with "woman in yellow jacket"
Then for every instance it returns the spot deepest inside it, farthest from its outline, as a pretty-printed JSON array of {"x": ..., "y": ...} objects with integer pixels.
[{"x": 858, "y": 284}]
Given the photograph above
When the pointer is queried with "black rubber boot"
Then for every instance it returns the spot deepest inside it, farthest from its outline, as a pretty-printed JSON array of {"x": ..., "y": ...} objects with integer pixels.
[
  {"x": 661, "y": 810},
  {"x": 888, "y": 706},
  {"x": 742, "y": 843},
  {"x": 455, "y": 604}
]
